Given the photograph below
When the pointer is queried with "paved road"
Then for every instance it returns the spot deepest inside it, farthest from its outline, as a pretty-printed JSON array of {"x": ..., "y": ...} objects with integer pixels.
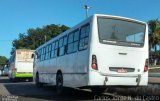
[{"x": 26, "y": 91}]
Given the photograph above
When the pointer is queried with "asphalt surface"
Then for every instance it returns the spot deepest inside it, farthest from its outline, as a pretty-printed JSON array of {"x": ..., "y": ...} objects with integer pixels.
[{"x": 27, "y": 91}]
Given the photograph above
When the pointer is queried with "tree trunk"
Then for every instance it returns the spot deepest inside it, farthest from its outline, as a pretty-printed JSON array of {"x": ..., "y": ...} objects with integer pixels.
[{"x": 155, "y": 59}]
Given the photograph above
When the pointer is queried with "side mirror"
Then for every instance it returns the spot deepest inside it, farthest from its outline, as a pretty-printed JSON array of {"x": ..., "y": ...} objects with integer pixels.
[{"x": 32, "y": 56}]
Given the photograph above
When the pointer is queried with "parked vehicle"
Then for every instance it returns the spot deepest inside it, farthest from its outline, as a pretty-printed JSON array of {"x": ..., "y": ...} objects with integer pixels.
[
  {"x": 21, "y": 65},
  {"x": 0, "y": 72},
  {"x": 6, "y": 71},
  {"x": 101, "y": 51}
]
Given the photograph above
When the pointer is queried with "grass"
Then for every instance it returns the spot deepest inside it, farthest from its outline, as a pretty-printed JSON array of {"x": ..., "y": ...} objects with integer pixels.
[{"x": 155, "y": 70}]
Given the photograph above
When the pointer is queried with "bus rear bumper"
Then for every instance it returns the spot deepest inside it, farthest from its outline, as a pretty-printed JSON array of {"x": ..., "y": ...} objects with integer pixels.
[
  {"x": 99, "y": 79},
  {"x": 24, "y": 75}
]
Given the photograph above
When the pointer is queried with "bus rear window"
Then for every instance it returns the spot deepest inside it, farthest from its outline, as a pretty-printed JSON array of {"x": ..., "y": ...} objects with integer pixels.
[
  {"x": 24, "y": 56},
  {"x": 121, "y": 32}
]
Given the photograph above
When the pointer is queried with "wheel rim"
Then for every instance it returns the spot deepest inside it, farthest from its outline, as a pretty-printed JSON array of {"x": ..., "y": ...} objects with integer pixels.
[
  {"x": 37, "y": 79},
  {"x": 59, "y": 84}
]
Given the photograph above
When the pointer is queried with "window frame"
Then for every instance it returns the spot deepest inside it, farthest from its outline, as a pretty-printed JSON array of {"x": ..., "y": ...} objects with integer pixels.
[
  {"x": 123, "y": 43},
  {"x": 63, "y": 46},
  {"x": 53, "y": 49},
  {"x": 85, "y": 25},
  {"x": 39, "y": 55},
  {"x": 73, "y": 32}
]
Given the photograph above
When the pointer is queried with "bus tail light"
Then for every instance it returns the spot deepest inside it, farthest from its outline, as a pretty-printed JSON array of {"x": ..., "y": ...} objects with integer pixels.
[
  {"x": 94, "y": 62},
  {"x": 146, "y": 66}
]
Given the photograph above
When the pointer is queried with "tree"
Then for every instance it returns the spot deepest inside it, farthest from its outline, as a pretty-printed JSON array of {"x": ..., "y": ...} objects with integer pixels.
[
  {"x": 35, "y": 37},
  {"x": 3, "y": 61},
  {"x": 154, "y": 33},
  {"x": 154, "y": 39}
]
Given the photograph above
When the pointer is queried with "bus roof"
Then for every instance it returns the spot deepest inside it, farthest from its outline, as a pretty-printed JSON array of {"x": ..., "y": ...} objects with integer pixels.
[
  {"x": 86, "y": 20},
  {"x": 121, "y": 17}
]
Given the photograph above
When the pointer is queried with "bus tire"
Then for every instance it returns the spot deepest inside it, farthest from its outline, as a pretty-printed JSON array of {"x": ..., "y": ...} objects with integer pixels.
[
  {"x": 59, "y": 83},
  {"x": 37, "y": 82}
]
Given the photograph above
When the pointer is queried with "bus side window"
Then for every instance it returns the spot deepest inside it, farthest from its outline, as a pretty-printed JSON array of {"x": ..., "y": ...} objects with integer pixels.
[
  {"x": 46, "y": 54},
  {"x": 56, "y": 48},
  {"x": 76, "y": 40},
  {"x": 53, "y": 50},
  {"x": 65, "y": 44},
  {"x": 61, "y": 47},
  {"x": 49, "y": 51},
  {"x": 39, "y": 55},
  {"x": 83, "y": 44},
  {"x": 43, "y": 54},
  {"x": 70, "y": 43}
]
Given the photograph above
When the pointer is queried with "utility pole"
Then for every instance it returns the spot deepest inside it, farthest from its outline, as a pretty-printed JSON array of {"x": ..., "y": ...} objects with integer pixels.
[{"x": 86, "y": 8}]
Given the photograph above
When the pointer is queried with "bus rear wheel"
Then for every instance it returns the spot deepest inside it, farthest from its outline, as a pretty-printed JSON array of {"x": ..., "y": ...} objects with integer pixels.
[
  {"x": 37, "y": 82},
  {"x": 59, "y": 83}
]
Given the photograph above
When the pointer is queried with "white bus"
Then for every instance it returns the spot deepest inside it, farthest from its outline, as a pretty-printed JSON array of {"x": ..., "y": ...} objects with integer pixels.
[
  {"x": 21, "y": 65},
  {"x": 101, "y": 51}
]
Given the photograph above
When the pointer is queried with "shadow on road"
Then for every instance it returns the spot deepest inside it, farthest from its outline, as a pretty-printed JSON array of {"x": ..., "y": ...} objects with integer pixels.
[
  {"x": 4, "y": 79},
  {"x": 47, "y": 93},
  {"x": 27, "y": 90}
]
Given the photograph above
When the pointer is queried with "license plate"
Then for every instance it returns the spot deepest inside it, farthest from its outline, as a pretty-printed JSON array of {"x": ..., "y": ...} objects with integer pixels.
[{"x": 122, "y": 71}]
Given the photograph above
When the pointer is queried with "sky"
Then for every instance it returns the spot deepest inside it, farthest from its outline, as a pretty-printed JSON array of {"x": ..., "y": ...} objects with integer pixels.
[{"x": 17, "y": 16}]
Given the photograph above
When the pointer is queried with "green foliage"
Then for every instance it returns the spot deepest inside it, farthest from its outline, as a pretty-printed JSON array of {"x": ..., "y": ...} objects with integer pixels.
[
  {"x": 36, "y": 37},
  {"x": 3, "y": 61},
  {"x": 154, "y": 33},
  {"x": 155, "y": 54},
  {"x": 154, "y": 41}
]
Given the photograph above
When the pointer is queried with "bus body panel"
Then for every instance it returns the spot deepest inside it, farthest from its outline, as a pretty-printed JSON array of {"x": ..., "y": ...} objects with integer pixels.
[
  {"x": 76, "y": 67},
  {"x": 21, "y": 64},
  {"x": 72, "y": 70},
  {"x": 46, "y": 70},
  {"x": 111, "y": 58},
  {"x": 123, "y": 80},
  {"x": 24, "y": 67},
  {"x": 80, "y": 70}
]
